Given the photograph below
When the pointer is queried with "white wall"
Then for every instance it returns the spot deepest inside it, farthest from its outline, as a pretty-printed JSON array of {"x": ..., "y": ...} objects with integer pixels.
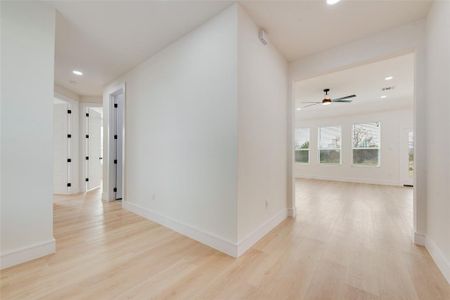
[
  {"x": 388, "y": 172},
  {"x": 262, "y": 126},
  {"x": 205, "y": 134},
  {"x": 438, "y": 135},
  {"x": 181, "y": 132},
  {"x": 27, "y": 55}
]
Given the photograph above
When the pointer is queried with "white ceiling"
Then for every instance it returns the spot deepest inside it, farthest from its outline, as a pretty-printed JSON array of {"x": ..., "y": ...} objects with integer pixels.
[
  {"x": 366, "y": 82},
  {"x": 301, "y": 28},
  {"x": 105, "y": 39}
]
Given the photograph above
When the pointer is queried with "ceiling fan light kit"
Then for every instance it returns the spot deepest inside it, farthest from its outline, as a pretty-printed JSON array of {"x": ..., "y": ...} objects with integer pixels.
[{"x": 327, "y": 99}]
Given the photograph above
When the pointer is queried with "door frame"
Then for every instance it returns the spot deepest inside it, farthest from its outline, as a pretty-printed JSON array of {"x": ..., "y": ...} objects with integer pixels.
[
  {"x": 405, "y": 178},
  {"x": 108, "y": 142},
  {"x": 417, "y": 50}
]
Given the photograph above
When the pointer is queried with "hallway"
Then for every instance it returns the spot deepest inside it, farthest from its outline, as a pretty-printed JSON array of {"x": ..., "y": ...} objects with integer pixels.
[{"x": 349, "y": 241}]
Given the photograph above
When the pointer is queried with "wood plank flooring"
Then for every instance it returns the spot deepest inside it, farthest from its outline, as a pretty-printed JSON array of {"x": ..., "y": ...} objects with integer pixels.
[{"x": 349, "y": 241}]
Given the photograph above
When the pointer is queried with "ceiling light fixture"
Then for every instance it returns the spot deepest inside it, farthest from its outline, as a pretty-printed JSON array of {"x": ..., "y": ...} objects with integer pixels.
[
  {"x": 332, "y": 2},
  {"x": 389, "y": 78},
  {"x": 299, "y": 108},
  {"x": 384, "y": 96},
  {"x": 78, "y": 73}
]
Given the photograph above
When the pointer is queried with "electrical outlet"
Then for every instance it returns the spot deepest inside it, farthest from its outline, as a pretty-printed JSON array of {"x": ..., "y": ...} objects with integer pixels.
[{"x": 266, "y": 203}]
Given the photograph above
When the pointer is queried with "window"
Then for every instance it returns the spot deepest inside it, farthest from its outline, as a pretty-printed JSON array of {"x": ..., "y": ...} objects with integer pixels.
[
  {"x": 411, "y": 153},
  {"x": 330, "y": 145},
  {"x": 302, "y": 145},
  {"x": 366, "y": 144}
]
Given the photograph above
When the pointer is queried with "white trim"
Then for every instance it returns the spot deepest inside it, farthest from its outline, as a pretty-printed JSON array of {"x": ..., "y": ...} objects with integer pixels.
[
  {"x": 251, "y": 239},
  {"x": 291, "y": 212},
  {"x": 108, "y": 161},
  {"x": 192, "y": 232},
  {"x": 419, "y": 239},
  {"x": 349, "y": 179},
  {"x": 24, "y": 254},
  {"x": 207, "y": 238},
  {"x": 439, "y": 258}
]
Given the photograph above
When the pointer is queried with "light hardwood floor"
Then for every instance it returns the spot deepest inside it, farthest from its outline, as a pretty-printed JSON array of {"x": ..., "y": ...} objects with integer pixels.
[{"x": 349, "y": 241}]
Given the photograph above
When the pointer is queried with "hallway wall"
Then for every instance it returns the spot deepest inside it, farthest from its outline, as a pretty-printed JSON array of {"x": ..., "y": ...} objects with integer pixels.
[
  {"x": 438, "y": 135},
  {"x": 205, "y": 134},
  {"x": 27, "y": 55},
  {"x": 262, "y": 140},
  {"x": 181, "y": 133}
]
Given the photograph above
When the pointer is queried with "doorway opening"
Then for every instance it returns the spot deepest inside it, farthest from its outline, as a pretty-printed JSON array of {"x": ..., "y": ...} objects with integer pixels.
[{"x": 354, "y": 156}]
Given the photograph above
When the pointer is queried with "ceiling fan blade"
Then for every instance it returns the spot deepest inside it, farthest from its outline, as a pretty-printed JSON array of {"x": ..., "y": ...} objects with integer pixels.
[
  {"x": 316, "y": 103},
  {"x": 343, "y": 98},
  {"x": 342, "y": 101}
]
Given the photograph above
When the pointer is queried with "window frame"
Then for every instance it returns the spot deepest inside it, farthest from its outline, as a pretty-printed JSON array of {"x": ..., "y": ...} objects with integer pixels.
[
  {"x": 367, "y": 148},
  {"x": 319, "y": 148},
  {"x": 412, "y": 173},
  {"x": 309, "y": 147}
]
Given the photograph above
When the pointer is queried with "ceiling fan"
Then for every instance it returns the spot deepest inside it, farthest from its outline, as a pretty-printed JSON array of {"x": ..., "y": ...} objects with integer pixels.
[{"x": 327, "y": 99}]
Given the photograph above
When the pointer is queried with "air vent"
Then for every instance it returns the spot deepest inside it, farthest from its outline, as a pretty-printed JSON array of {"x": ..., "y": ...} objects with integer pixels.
[{"x": 388, "y": 88}]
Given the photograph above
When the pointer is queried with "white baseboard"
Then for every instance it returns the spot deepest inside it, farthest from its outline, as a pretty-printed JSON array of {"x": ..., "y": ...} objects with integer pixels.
[
  {"x": 419, "y": 239},
  {"x": 348, "y": 179},
  {"x": 201, "y": 236},
  {"x": 291, "y": 212},
  {"x": 25, "y": 254},
  {"x": 209, "y": 239},
  {"x": 439, "y": 258},
  {"x": 251, "y": 239}
]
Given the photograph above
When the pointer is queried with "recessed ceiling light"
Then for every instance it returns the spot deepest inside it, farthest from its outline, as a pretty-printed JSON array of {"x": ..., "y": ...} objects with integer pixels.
[
  {"x": 332, "y": 2},
  {"x": 388, "y": 77},
  {"x": 78, "y": 73},
  {"x": 384, "y": 96},
  {"x": 299, "y": 108}
]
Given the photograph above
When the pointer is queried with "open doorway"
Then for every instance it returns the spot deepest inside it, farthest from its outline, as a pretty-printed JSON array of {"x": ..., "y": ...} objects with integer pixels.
[{"x": 354, "y": 157}]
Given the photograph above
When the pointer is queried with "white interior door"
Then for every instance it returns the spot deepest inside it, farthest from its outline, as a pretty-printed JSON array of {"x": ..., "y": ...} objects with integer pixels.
[
  {"x": 94, "y": 149},
  {"x": 118, "y": 145},
  {"x": 60, "y": 148}
]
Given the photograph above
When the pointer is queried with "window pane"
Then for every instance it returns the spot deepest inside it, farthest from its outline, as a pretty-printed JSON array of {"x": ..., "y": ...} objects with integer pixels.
[
  {"x": 411, "y": 153},
  {"x": 366, "y": 135},
  {"x": 367, "y": 157},
  {"x": 302, "y": 156},
  {"x": 330, "y": 137},
  {"x": 302, "y": 138},
  {"x": 330, "y": 156}
]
